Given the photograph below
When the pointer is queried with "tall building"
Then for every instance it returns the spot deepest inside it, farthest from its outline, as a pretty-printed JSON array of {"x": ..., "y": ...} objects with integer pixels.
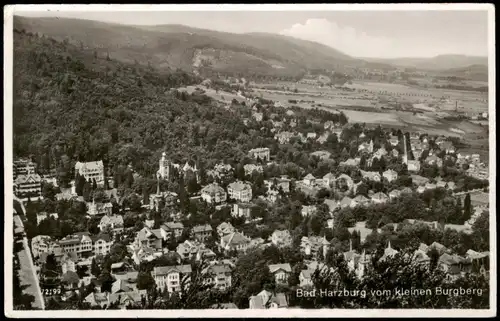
[
  {"x": 23, "y": 167},
  {"x": 164, "y": 168},
  {"x": 28, "y": 185},
  {"x": 91, "y": 171}
]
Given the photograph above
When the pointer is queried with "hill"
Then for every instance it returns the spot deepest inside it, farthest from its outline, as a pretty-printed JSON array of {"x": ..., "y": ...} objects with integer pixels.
[
  {"x": 473, "y": 72},
  {"x": 71, "y": 105},
  {"x": 176, "y": 46},
  {"x": 441, "y": 62}
]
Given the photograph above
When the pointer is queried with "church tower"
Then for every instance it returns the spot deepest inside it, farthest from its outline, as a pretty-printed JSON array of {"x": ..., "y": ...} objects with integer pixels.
[
  {"x": 164, "y": 168},
  {"x": 362, "y": 265}
]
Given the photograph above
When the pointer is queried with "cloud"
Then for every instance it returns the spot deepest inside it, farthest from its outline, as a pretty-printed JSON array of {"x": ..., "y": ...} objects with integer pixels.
[{"x": 346, "y": 39}]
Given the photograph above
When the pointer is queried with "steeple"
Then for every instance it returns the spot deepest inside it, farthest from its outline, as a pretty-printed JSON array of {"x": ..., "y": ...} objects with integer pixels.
[
  {"x": 350, "y": 245},
  {"x": 158, "y": 186},
  {"x": 389, "y": 245}
]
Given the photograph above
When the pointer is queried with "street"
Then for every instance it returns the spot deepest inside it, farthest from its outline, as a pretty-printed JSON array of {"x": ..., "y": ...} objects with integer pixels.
[{"x": 27, "y": 272}]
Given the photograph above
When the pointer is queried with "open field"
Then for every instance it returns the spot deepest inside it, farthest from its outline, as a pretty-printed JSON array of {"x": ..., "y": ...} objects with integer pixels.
[
  {"x": 370, "y": 103},
  {"x": 221, "y": 96}
]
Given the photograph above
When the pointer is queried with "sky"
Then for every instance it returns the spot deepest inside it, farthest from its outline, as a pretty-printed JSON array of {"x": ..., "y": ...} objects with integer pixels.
[{"x": 370, "y": 34}]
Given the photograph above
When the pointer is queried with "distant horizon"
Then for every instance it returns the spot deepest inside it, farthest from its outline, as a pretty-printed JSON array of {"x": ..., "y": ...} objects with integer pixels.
[{"x": 379, "y": 46}]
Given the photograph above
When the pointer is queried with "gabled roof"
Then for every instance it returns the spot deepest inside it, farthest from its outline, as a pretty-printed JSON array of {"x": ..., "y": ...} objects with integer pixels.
[
  {"x": 119, "y": 286},
  {"x": 276, "y": 267},
  {"x": 309, "y": 177},
  {"x": 164, "y": 270},
  {"x": 201, "y": 228}
]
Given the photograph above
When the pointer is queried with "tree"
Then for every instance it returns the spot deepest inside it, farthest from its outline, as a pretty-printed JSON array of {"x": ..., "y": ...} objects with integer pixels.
[
  {"x": 106, "y": 280},
  {"x": 251, "y": 275},
  {"x": 94, "y": 184},
  {"x": 467, "y": 208},
  {"x": 145, "y": 281},
  {"x": 94, "y": 268},
  {"x": 86, "y": 192}
]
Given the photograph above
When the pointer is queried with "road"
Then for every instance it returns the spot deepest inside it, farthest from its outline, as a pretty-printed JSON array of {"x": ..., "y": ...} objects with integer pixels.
[{"x": 27, "y": 270}]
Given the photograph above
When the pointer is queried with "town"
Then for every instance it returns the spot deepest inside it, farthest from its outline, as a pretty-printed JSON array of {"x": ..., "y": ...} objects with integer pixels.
[
  {"x": 360, "y": 191},
  {"x": 189, "y": 169}
]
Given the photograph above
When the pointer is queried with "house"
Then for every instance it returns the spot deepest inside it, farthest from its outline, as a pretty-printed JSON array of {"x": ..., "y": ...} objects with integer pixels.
[
  {"x": 345, "y": 181},
  {"x": 262, "y": 153},
  {"x": 224, "y": 229},
  {"x": 372, "y": 176},
  {"x": 169, "y": 229},
  {"x": 171, "y": 277},
  {"x": 281, "y": 238},
  {"x": 218, "y": 275},
  {"x": 389, "y": 252},
  {"x": 234, "y": 241},
  {"x": 220, "y": 170},
  {"x": 70, "y": 280},
  {"x": 434, "y": 160},
  {"x": 429, "y": 186},
  {"x": 149, "y": 223},
  {"x": 360, "y": 200},
  {"x": 379, "y": 198},
  {"x": 323, "y": 138},
  {"x": 278, "y": 183},
  {"x": 201, "y": 232},
  {"x": 395, "y": 153},
  {"x": 311, "y": 135},
  {"x": 43, "y": 215},
  {"x": 194, "y": 250},
  {"x": 281, "y": 272},
  {"x": 329, "y": 180},
  {"x": 23, "y": 167},
  {"x": 308, "y": 210},
  {"x": 258, "y": 116},
  {"x": 351, "y": 162},
  {"x": 365, "y": 147},
  {"x": 98, "y": 209},
  {"x": 313, "y": 245},
  {"x": 346, "y": 202},
  {"x": 322, "y": 155},
  {"x": 147, "y": 254},
  {"x": 268, "y": 300},
  {"x": 113, "y": 222},
  {"x": 251, "y": 168},
  {"x": 417, "y": 153},
  {"x": 167, "y": 198},
  {"x": 420, "y": 257},
  {"x": 240, "y": 191},
  {"x": 449, "y": 264},
  {"x": 419, "y": 180},
  {"x": 29, "y": 185},
  {"x": 102, "y": 244},
  {"x": 465, "y": 228},
  {"x": 447, "y": 147},
  {"x": 332, "y": 205},
  {"x": 439, "y": 247},
  {"x": 394, "y": 194},
  {"x": 68, "y": 262},
  {"x": 394, "y": 140},
  {"x": 390, "y": 175},
  {"x": 284, "y": 137},
  {"x": 309, "y": 180},
  {"x": 441, "y": 184},
  {"x": 213, "y": 193},
  {"x": 91, "y": 171},
  {"x": 413, "y": 165},
  {"x": 149, "y": 238},
  {"x": 242, "y": 210}
]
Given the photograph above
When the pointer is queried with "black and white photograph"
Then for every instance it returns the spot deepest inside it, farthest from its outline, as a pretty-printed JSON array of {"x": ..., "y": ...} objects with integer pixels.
[{"x": 211, "y": 160}]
